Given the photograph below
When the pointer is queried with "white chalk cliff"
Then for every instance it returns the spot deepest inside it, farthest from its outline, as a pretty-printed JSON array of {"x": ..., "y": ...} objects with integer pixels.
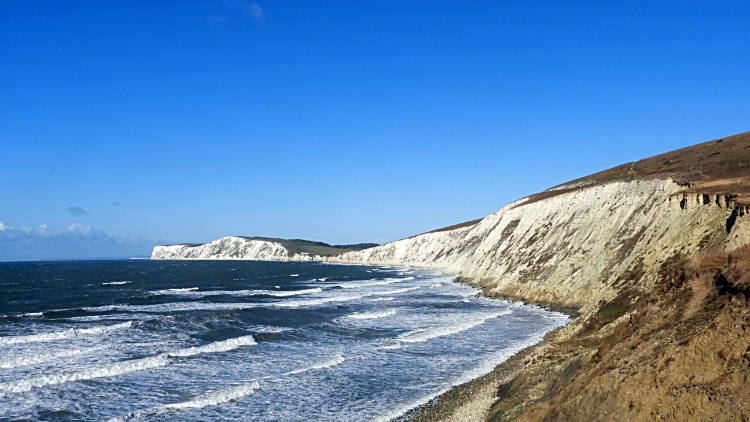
[
  {"x": 575, "y": 249},
  {"x": 231, "y": 247}
]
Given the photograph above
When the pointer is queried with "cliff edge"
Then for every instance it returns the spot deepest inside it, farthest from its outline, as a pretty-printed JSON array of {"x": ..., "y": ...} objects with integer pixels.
[
  {"x": 255, "y": 248},
  {"x": 652, "y": 256}
]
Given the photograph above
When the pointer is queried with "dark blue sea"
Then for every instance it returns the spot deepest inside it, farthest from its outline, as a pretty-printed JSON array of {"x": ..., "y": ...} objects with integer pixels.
[{"x": 243, "y": 340}]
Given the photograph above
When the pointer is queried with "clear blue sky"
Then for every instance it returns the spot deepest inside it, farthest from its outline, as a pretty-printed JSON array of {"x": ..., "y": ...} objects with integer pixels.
[{"x": 124, "y": 124}]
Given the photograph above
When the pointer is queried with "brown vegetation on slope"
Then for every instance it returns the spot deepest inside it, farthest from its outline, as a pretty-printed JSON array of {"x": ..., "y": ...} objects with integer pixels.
[
  {"x": 721, "y": 166},
  {"x": 681, "y": 353}
]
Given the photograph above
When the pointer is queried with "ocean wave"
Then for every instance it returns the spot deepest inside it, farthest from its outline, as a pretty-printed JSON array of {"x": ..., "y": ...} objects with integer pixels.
[
  {"x": 381, "y": 299},
  {"x": 215, "y": 347},
  {"x": 62, "y": 335},
  {"x": 116, "y": 282},
  {"x": 124, "y": 367},
  {"x": 218, "y": 397},
  {"x": 268, "y": 329},
  {"x": 174, "y": 307},
  {"x": 195, "y": 293},
  {"x": 46, "y": 357},
  {"x": 372, "y": 315},
  {"x": 319, "y": 365},
  {"x": 187, "y": 290},
  {"x": 293, "y": 292},
  {"x": 383, "y": 282},
  {"x": 208, "y": 306},
  {"x": 212, "y": 399},
  {"x": 317, "y": 302},
  {"x": 114, "y": 369},
  {"x": 421, "y": 335},
  {"x": 397, "y": 291}
]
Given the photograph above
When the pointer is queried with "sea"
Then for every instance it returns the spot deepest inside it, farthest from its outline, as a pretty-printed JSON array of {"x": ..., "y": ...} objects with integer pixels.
[{"x": 144, "y": 340}]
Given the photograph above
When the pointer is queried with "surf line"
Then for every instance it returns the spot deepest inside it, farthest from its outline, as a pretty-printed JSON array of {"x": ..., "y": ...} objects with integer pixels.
[
  {"x": 123, "y": 367},
  {"x": 62, "y": 335},
  {"x": 226, "y": 395}
]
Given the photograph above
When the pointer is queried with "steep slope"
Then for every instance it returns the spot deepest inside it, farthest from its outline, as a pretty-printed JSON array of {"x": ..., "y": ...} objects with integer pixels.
[
  {"x": 572, "y": 250},
  {"x": 607, "y": 247}
]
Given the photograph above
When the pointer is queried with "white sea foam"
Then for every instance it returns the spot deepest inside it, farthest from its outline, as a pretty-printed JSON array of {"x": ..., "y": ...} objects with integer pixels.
[
  {"x": 373, "y": 315},
  {"x": 46, "y": 357},
  {"x": 484, "y": 368},
  {"x": 62, "y": 335},
  {"x": 383, "y": 282},
  {"x": 317, "y": 302},
  {"x": 207, "y": 306},
  {"x": 319, "y": 365},
  {"x": 268, "y": 329},
  {"x": 397, "y": 291},
  {"x": 116, "y": 282},
  {"x": 294, "y": 292},
  {"x": 194, "y": 293},
  {"x": 218, "y": 397},
  {"x": 294, "y": 275},
  {"x": 421, "y": 335},
  {"x": 392, "y": 346},
  {"x": 114, "y": 369},
  {"x": 381, "y": 299},
  {"x": 124, "y": 367},
  {"x": 215, "y": 347},
  {"x": 174, "y": 307},
  {"x": 211, "y": 399},
  {"x": 187, "y": 290},
  {"x": 33, "y": 314}
]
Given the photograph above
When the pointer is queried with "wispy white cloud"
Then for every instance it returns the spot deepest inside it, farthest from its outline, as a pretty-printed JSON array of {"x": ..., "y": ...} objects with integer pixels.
[
  {"x": 74, "y": 241},
  {"x": 77, "y": 211},
  {"x": 249, "y": 9},
  {"x": 219, "y": 17},
  {"x": 255, "y": 11}
]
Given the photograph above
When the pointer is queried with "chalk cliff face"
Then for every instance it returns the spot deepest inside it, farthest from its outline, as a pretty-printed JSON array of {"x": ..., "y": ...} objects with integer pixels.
[
  {"x": 575, "y": 249},
  {"x": 231, "y": 247}
]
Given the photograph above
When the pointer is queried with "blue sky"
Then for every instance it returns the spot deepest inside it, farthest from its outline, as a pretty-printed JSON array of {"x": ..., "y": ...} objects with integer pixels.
[{"x": 123, "y": 125}]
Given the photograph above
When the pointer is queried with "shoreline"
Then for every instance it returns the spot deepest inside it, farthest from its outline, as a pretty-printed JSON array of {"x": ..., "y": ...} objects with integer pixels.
[{"x": 473, "y": 400}]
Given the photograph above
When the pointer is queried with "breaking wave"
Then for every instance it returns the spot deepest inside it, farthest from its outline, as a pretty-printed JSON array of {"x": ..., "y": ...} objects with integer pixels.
[
  {"x": 421, "y": 335},
  {"x": 46, "y": 357},
  {"x": 62, "y": 335},
  {"x": 216, "y": 398},
  {"x": 124, "y": 367},
  {"x": 320, "y": 365},
  {"x": 86, "y": 374},
  {"x": 212, "y": 399},
  {"x": 383, "y": 282},
  {"x": 373, "y": 315},
  {"x": 194, "y": 293},
  {"x": 316, "y": 302},
  {"x": 215, "y": 347}
]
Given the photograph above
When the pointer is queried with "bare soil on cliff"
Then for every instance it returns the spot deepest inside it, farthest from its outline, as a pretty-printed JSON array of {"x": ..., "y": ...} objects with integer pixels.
[
  {"x": 720, "y": 166},
  {"x": 680, "y": 353}
]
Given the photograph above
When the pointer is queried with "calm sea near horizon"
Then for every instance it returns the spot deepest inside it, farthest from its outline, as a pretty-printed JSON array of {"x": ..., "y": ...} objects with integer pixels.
[{"x": 243, "y": 340}]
